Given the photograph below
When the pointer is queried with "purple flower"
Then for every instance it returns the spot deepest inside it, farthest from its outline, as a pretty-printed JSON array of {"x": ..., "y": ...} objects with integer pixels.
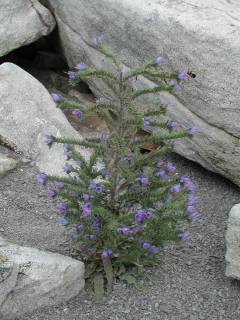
[
  {"x": 183, "y": 235},
  {"x": 51, "y": 192},
  {"x": 146, "y": 122},
  {"x": 106, "y": 253},
  {"x": 104, "y": 136},
  {"x": 78, "y": 226},
  {"x": 143, "y": 181},
  {"x": 91, "y": 237},
  {"x": 159, "y": 60},
  {"x": 99, "y": 189},
  {"x": 92, "y": 185},
  {"x": 41, "y": 178},
  {"x": 171, "y": 124},
  {"x": 86, "y": 209},
  {"x": 160, "y": 174},
  {"x": 159, "y": 164},
  {"x": 192, "y": 131},
  {"x": 72, "y": 75},
  {"x": 57, "y": 184},
  {"x": 67, "y": 168},
  {"x": 48, "y": 139},
  {"x": 95, "y": 224},
  {"x": 175, "y": 189},
  {"x": 87, "y": 197},
  {"x": 76, "y": 113},
  {"x": 74, "y": 236},
  {"x": 190, "y": 187},
  {"x": 181, "y": 75},
  {"x": 56, "y": 97},
  {"x": 61, "y": 207},
  {"x": 146, "y": 245},
  {"x": 103, "y": 172},
  {"x": 63, "y": 220},
  {"x": 153, "y": 250},
  {"x": 92, "y": 252},
  {"x": 185, "y": 180},
  {"x": 80, "y": 66},
  {"x": 170, "y": 167},
  {"x": 190, "y": 209},
  {"x": 191, "y": 199},
  {"x": 97, "y": 41},
  {"x": 128, "y": 158},
  {"x": 67, "y": 153},
  {"x": 123, "y": 230},
  {"x": 141, "y": 214},
  {"x": 135, "y": 230}
]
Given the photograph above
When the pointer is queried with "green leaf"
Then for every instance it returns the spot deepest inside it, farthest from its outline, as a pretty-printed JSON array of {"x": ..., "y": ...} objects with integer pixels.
[
  {"x": 131, "y": 279},
  {"x": 107, "y": 265}
]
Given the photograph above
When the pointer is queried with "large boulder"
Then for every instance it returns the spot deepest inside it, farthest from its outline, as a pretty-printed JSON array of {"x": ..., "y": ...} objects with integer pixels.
[
  {"x": 187, "y": 36},
  {"x": 22, "y": 22},
  {"x": 233, "y": 243},
  {"x": 27, "y": 114},
  {"x": 30, "y": 279}
]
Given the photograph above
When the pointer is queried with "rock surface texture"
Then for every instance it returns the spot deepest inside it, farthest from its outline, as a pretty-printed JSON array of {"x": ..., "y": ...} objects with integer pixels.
[
  {"x": 30, "y": 279},
  {"x": 233, "y": 243},
  {"x": 187, "y": 36},
  {"x": 27, "y": 114},
  {"x": 22, "y": 22},
  {"x": 6, "y": 164}
]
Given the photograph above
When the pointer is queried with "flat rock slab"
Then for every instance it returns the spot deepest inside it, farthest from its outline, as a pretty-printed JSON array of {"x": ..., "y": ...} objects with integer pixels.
[
  {"x": 6, "y": 164},
  {"x": 27, "y": 114},
  {"x": 30, "y": 279},
  {"x": 22, "y": 22},
  {"x": 185, "y": 34},
  {"x": 233, "y": 243}
]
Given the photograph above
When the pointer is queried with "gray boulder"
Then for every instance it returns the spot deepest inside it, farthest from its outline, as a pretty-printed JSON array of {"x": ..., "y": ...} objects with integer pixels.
[
  {"x": 233, "y": 243},
  {"x": 31, "y": 279},
  {"x": 6, "y": 164},
  {"x": 185, "y": 34},
  {"x": 27, "y": 114},
  {"x": 22, "y": 22}
]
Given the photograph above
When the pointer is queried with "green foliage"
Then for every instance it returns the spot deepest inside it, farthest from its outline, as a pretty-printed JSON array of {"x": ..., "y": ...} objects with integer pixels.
[{"x": 122, "y": 205}]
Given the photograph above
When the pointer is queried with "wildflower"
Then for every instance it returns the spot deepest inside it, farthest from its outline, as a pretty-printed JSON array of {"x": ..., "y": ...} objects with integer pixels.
[
  {"x": 97, "y": 41},
  {"x": 192, "y": 131},
  {"x": 191, "y": 199},
  {"x": 92, "y": 185},
  {"x": 170, "y": 167},
  {"x": 57, "y": 184},
  {"x": 80, "y": 66},
  {"x": 146, "y": 245},
  {"x": 159, "y": 60},
  {"x": 143, "y": 181},
  {"x": 181, "y": 75},
  {"x": 183, "y": 235},
  {"x": 91, "y": 237},
  {"x": 72, "y": 75},
  {"x": 153, "y": 249},
  {"x": 190, "y": 209},
  {"x": 48, "y": 139},
  {"x": 56, "y": 97},
  {"x": 160, "y": 174},
  {"x": 74, "y": 236},
  {"x": 141, "y": 214},
  {"x": 63, "y": 220},
  {"x": 41, "y": 178},
  {"x": 123, "y": 230},
  {"x": 78, "y": 226},
  {"x": 190, "y": 187},
  {"x": 128, "y": 158},
  {"x": 159, "y": 164},
  {"x": 86, "y": 209},
  {"x": 67, "y": 153},
  {"x": 67, "y": 167},
  {"x": 99, "y": 189},
  {"x": 51, "y": 192},
  {"x": 95, "y": 224},
  {"x": 76, "y": 113},
  {"x": 87, "y": 197},
  {"x": 146, "y": 122},
  {"x": 106, "y": 253},
  {"x": 185, "y": 180},
  {"x": 171, "y": 124},
  {"x": 175, "y": 189},
  {"x": 61, "y": 207},
  {"x": 135, "y": 230}
]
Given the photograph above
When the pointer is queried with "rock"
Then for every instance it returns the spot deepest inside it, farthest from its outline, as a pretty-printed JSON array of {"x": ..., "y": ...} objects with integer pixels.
[
  {"x": 27, "y": 114},
  {"x": 6, "y": 164},
  {"x": 22, "y": 22},
  {"x": 185, "y": 34},
  {"x": 31, "y": 279},
  {"x": 233, "y": 243}
]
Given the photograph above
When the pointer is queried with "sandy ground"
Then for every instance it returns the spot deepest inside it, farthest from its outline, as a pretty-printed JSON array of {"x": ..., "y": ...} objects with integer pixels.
[{"x": 189, "y": 283}]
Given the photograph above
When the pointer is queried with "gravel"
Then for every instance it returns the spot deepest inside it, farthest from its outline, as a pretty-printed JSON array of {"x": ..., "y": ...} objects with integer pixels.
[{"x": 189, "y": 283}]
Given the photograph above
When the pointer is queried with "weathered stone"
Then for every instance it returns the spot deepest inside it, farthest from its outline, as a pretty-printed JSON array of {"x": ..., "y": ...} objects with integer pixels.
[
  {"x": 31, "y": 279},
  {"x": 233, "y": 243},
  {"x": 6, "y": 164},
  {"x": 22, "y": 22},
  {"x": 185, "y": 34},
  {"x": 27, "y": 114}
]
